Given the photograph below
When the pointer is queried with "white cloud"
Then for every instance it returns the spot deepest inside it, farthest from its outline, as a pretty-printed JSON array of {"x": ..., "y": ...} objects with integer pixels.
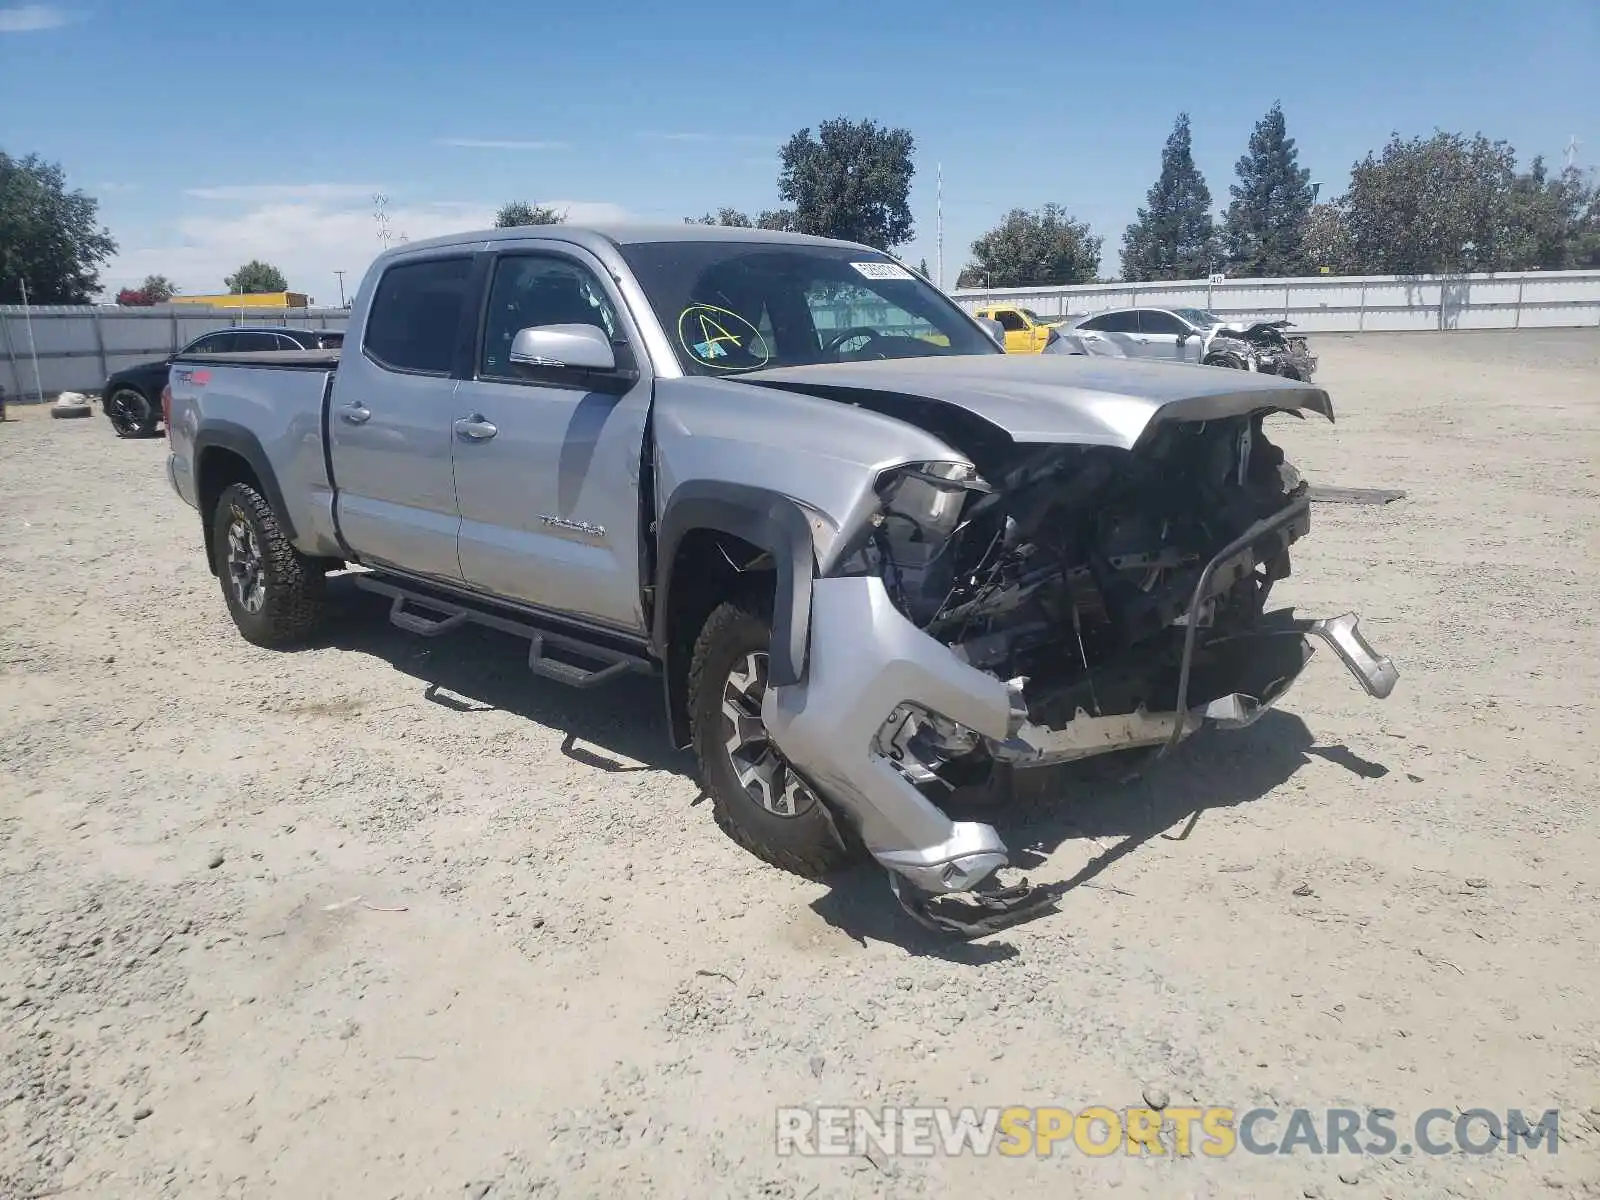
[
  {"x": 499, "y": 144},
  {"x": 31, "y": 18},
  {"x": 308, "y": 241},
  {"x": 266, "y": 193}
]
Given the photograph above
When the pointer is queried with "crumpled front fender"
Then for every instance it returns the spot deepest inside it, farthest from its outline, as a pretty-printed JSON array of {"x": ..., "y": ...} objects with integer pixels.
[{"x": 866, "y": 659}]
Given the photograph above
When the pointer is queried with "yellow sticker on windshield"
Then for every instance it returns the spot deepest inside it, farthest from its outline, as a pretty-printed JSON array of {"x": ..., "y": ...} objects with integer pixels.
[{"x": 722, "y": 339}]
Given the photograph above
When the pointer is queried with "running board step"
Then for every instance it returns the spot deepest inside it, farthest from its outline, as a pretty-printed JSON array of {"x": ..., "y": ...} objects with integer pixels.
[{"x": 582, "y": 664}]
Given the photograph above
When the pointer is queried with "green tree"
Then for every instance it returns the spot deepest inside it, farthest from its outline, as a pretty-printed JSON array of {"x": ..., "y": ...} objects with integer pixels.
[
  {"x": 780, "y": 219},
  {"x": 730, "y": 217},
  {"x": 1036, "y": 249},
  {"x": 851, "y": 181},
  {"x": 158, "y": 289},
  {"x": 1174, "y": 236},
  {"x": 1327, "y": 241},
  {"x": 1432, "y": 205},
  {"x": 922, "y": 269},
  {"x": 1264, "y": 228},
  {"x": 520, "y": 212},
  {"x": 256, "y": 276},
  {"x": 1555, "y": 218},
  {"x": 49, "y": 236}
]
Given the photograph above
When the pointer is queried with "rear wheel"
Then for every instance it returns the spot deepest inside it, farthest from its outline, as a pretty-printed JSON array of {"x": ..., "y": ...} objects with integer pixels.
[
  {"x": 756, "y": 796},
  {"x": 131, "y": 413},
  {"x": 275, "y": 594}
]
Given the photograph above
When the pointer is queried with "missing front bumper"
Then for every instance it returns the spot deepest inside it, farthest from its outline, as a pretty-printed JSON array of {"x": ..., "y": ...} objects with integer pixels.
[{"x": 867, "y": 663}]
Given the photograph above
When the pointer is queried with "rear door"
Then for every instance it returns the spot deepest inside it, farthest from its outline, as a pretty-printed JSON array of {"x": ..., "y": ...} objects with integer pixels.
[
  {"x": 1120, "y": 329},
  {"x": 1163, "y": 335},
  {"x": 389, "y": 425},
  {"x": 547, "y": 464}
]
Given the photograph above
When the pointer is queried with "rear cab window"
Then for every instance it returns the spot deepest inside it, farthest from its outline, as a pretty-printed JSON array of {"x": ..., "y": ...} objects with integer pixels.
[{"x": 414, "y": 323}]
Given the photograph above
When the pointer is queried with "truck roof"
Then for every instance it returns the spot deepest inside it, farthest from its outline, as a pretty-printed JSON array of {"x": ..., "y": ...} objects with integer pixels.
[{"x": 620, "y": 235}]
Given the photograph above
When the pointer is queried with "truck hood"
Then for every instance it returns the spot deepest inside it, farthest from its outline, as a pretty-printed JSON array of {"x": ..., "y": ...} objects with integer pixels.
[{"x": 1052, "y": 398}]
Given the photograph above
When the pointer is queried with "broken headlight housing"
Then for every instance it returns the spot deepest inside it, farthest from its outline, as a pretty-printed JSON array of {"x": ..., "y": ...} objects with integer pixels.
[{"x": 921, "y": 507}]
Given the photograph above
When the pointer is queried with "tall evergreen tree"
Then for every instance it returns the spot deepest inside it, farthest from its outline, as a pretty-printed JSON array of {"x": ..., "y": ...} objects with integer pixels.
[
  {"x": 1264, "y": 228},
  {"x": 1175, "y": 236}
]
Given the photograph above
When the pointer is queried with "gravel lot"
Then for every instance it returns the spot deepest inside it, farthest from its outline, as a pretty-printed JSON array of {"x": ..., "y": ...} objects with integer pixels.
[{"x": 388, "y": 918}]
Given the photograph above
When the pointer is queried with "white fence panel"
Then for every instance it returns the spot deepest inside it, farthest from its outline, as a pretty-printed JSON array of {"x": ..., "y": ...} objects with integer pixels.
[
  {"x": 1339, "y": 304},
  {"x": 77, "y": 348}
]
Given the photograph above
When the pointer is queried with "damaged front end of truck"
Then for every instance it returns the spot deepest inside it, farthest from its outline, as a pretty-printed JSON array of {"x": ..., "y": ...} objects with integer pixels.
[{"x": 1039, "y": 602}]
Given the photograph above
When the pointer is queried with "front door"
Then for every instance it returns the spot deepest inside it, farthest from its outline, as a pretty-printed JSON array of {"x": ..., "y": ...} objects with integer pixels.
[
  {"x": 389, "y": 424},
  {"x": 1162, "y": 335},
  {"x": 546, "y": 466},
  {"x": 1019, "y": 338}
]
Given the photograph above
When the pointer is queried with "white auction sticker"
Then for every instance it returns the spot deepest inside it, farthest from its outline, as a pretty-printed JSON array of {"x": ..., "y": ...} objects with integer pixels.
[{"x": 880, "y": 270}]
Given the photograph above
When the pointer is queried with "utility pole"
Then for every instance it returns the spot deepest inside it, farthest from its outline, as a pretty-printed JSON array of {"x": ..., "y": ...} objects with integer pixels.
[
  {"x": 938, "y": 269},
  {"x": 340, "y": 274},
  {"x": 33, "y": 350}
]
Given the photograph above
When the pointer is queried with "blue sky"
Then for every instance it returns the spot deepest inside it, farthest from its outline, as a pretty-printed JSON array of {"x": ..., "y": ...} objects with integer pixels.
[{"x": 214, "y": 132}]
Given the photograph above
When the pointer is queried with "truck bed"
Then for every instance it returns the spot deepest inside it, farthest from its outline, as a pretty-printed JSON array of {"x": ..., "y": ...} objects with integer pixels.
[{"x": 268, "y": 407}]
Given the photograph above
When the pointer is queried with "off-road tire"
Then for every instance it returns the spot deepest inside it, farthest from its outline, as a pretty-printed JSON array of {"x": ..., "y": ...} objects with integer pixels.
[
  {"x": 804, "y": 844},
  {"x": 295, "y": 606},
  {"x": 140, "y": 423}
]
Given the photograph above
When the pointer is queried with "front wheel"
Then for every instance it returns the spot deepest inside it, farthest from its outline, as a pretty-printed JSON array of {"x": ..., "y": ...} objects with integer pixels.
[
  {"x": 758, "y": 799},
  {"x": 275, "y": 594}
]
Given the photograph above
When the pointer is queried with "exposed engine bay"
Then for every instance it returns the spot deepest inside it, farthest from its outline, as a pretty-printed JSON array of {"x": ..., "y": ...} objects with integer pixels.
[
  {"x": 1262, "y": 347},
  {"x": 1073, "y": 566}
]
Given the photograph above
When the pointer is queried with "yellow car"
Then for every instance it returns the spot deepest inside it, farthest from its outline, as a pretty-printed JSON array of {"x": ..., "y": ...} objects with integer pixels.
[{"x": 1026, "y": 331}]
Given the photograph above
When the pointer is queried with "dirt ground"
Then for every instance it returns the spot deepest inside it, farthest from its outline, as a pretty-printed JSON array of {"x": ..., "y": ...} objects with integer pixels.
[{"x": 390, "y": 918}]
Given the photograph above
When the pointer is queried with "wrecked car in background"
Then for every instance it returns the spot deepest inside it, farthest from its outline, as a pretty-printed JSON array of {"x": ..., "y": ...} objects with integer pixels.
[
  {"x": 1189, "y": 335},
  {"x": 870, "y": 555}
]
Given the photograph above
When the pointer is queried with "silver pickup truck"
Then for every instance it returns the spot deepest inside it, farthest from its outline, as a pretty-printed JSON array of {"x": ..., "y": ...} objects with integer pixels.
[{"x": 868, "y": 553}]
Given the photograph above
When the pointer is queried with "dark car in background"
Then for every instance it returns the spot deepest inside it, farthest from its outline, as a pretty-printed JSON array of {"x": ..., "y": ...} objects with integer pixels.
[{"x": 132, "y": 396}]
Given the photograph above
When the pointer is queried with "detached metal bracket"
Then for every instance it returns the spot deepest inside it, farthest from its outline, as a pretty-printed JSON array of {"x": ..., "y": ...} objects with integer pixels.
[
  {"x": 1202, "y": 591},
  {"x": 1376, "y": 672}
]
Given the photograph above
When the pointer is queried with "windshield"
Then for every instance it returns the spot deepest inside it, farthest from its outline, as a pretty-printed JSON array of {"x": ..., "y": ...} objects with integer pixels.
[
  {"x": 1198, "y": 316},
  {"x": 1032, "y": 316},
  {"x": 741, "y": 306}
]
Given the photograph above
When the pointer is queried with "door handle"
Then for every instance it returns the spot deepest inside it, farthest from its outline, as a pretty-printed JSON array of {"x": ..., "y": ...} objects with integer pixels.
[
  {"x": 356, "y": 413},
  {"x": 475, "y": 428}
]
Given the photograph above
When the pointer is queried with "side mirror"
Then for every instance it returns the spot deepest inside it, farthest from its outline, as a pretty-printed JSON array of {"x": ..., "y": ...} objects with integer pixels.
[
  {"x": 995, "y": 330},
  {"x": 574, "y": 347}
]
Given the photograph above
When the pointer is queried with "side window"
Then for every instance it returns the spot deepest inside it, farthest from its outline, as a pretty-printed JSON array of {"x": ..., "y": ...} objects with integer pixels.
[
  {"x": 416, "y": 315},
  {"x": 211, "y": 343},
  {"x": 1010, "y": 321},
  {"x": 1155, "y": 321},
  {"x": 251, "y": 343},
  {"x": 539, "y": 289},
  {"x": 1126, "y": 321}
]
